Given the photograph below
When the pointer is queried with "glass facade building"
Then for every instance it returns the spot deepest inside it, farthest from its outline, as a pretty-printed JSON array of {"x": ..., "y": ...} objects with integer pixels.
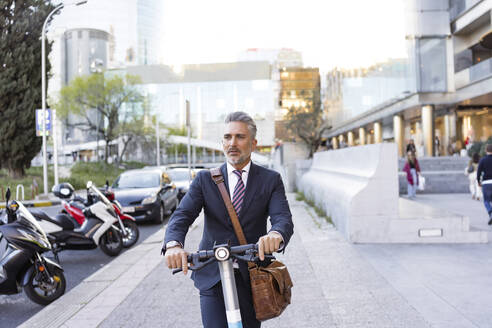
[
  {"x": 441, "y": 91},
  {"x": 213, "y": 90}
]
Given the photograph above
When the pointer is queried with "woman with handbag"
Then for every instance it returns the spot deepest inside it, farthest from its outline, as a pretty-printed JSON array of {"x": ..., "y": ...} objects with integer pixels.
[
  {"x": 471, "y": 173},
  {"x": 412, "y": 169}
]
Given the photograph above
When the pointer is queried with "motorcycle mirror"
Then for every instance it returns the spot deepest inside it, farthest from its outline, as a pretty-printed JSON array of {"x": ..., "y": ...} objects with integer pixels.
[
  {"x": 89, "y": 184},
  {"x": 7, "y": 195},
  {"x": 107, "y": 184}
]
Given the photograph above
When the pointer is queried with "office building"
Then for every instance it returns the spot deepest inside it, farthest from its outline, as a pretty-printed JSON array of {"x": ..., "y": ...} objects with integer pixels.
[{"x": 442, "y": 90}]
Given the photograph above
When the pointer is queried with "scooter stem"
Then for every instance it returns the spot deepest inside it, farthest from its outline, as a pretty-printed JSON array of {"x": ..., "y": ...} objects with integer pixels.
[{"x": 230, "y": 294}]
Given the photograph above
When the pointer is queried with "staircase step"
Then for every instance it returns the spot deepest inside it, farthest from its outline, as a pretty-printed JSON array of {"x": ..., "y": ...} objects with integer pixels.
[
  {"x": 422, "y": 223},
  {"x": 438, "y": 182}
]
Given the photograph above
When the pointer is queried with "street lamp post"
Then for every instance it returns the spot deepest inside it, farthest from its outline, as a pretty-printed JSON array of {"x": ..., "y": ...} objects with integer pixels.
[{"x": 43, "y": 89}]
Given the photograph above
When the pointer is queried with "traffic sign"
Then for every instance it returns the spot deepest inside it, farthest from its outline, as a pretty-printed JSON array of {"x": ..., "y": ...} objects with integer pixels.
[{"x": 39, "y": 122}]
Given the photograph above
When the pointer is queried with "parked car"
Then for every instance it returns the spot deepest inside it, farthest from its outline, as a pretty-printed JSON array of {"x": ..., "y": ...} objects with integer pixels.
[
  {"x": 146, "y": 194},
  {"x": 181, "y": 177}
]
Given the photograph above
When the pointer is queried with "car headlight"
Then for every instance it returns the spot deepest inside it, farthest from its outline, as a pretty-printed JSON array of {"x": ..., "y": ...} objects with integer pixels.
[{"x": 149, "y": 200}]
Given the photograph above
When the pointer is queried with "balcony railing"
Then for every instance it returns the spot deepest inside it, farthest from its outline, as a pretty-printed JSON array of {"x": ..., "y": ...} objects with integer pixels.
[{"x": 481, "y": 70}]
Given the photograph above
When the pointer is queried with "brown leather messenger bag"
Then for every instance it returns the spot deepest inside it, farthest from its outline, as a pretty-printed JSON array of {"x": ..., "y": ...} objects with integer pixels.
[{"x": 270, "y": 285}]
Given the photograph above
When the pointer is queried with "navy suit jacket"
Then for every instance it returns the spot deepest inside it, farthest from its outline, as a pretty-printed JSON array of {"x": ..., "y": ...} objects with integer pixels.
[{"x": 264, "y": 197}]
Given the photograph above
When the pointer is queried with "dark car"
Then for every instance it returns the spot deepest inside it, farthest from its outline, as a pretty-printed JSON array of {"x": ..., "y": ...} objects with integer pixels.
[
  {"x": 147, "y": 194},
  {"x": 181, "y": 178}
]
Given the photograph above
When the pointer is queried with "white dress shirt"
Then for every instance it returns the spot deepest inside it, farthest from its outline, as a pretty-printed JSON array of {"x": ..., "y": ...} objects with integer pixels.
[{"x": 233, "y": 178}]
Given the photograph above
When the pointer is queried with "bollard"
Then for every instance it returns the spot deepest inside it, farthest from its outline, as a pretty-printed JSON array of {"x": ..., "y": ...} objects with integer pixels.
[
  {"x": 36, "y": 187},
  {"x": 17, "y": 191}
]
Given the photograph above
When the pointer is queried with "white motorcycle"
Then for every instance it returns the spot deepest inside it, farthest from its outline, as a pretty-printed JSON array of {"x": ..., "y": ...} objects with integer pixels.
[{"x": 99, "y": 229}]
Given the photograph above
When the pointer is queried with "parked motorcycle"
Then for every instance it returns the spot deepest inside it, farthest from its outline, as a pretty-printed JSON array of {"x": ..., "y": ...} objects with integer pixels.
[
  {"x": 99, "y": 228},
  {"x": 73, "y": 205},
  {"x": 22, "y": 265}
]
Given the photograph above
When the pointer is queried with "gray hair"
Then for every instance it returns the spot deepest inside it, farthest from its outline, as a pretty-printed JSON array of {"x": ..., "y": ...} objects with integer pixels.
[{"x": 242, "y": 117}]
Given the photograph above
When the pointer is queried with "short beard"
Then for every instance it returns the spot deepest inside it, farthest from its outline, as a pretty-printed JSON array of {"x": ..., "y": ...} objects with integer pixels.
[{"x": 240, "y": 160}]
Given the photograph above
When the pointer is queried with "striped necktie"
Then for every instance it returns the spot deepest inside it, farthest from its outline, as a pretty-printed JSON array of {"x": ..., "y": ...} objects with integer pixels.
[{"x": 238, "y": 195}]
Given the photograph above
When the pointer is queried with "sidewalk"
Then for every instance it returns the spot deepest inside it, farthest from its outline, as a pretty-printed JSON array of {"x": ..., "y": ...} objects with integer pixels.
[{"x": 336, "y": 284}]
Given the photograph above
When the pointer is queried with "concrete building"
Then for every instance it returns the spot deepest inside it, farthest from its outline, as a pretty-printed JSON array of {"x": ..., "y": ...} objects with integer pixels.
[
  {"x": 442, "y": 90},
  {"x": 134, "y": 26}
]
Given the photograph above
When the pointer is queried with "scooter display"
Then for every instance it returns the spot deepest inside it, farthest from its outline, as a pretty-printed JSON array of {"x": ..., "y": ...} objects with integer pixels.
[
  {"x": 22, "y": 265},
  {"x": 99, "y": 228},
  {"x": 73, "y": 205}
]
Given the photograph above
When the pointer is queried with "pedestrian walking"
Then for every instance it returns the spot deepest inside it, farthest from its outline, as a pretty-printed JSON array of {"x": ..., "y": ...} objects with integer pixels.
[
  {"x": 256, "y": 193},
  {"x": 451, "y": 147},
  {"x": 411, "y": 147},
  {"x": 412, "y": 169},
  {"x": 471, "y": 173},
  {"x": 484, "y": 179},
  {"x": 437, "y": 144}
]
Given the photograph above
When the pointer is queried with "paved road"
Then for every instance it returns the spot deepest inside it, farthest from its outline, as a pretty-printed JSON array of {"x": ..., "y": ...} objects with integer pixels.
[{"x": 15, "y": 309}]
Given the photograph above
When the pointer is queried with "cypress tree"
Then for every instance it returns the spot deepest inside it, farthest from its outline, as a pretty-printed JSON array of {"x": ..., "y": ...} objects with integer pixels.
[{"x": 21, "y": 23}]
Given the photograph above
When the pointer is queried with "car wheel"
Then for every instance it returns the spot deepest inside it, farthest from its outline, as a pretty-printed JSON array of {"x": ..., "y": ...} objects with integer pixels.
[{"x": 160, "y": 216}]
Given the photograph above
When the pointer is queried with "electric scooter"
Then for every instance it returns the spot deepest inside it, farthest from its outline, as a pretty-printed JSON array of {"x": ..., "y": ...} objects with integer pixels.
[
  {"x": 223, "y": 255},
  {"x": 99, "y": 228},
  {"x": 22, "y": 265}
]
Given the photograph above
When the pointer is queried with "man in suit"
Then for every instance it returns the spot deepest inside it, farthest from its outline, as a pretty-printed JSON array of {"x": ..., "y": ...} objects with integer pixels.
[
  {"x": 256, "y": 193},
  {"x": 484, "y": 178}
]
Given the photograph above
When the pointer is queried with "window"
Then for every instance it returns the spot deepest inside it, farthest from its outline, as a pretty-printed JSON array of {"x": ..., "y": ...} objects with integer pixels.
[{"x": 432, "y": 59}]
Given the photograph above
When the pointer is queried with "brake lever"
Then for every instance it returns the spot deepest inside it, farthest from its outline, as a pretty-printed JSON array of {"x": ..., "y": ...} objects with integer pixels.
[{"x": 195, "y": 267}]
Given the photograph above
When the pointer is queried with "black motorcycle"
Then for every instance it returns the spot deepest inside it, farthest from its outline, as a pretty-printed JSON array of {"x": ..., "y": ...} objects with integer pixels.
[{"x": 22, "y": 265}]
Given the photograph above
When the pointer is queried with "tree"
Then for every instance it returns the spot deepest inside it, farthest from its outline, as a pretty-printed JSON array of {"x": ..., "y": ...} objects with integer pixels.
[
  {"x": 308, "y": 124},
  {"x": 21, "y": 22},
  {"x": 106, "y": 96}
]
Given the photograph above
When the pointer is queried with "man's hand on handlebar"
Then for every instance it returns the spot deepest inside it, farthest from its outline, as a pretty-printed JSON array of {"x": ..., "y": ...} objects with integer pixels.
[
  {"x": 176, "y": 257},
  {"x": 268, "y": 244}
]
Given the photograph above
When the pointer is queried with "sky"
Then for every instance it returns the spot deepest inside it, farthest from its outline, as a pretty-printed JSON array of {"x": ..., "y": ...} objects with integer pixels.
[{"x": 329, "y": 33}]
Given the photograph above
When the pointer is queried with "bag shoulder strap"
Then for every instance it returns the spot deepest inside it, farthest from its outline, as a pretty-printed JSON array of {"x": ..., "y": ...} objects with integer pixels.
[{"x": 219, "y": 181}]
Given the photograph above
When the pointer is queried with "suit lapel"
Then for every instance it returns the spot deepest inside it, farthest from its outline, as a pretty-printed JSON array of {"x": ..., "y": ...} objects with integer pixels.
[
  {"x": 251, "y": 186},
  {"x": 223, "y": 170}
]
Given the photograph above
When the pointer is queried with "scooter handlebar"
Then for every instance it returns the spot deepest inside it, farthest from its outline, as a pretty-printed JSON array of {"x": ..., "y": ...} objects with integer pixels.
[{"x": 200, "y": 259}]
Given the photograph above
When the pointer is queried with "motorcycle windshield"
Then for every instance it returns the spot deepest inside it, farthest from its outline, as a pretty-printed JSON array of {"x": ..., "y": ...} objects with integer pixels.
[
  {"x": 101, "y": 196},
  {"x": 26, "y": 218}
]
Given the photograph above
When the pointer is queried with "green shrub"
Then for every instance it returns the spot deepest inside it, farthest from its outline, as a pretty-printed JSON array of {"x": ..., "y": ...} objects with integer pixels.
[
  {"x": 33, "y": 173},
  {"x": 97, "y": 172},
  {"x": 133, "y": 165},
  {"x": 80, "y": 173}
]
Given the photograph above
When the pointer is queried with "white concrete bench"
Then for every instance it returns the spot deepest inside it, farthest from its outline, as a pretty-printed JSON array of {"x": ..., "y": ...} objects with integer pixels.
[{"x": 358, "y": 188}]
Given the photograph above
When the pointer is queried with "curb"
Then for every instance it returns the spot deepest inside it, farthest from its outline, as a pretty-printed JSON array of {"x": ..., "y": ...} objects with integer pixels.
[{"x": 43, "y": 203}]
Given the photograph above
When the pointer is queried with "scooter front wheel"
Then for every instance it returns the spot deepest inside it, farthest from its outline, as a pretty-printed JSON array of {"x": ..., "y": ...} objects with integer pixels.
[
  {"x": 132, "y": 233},
  {"x": 42, "y": 291},
  {"x": 111, "y": 242}
]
